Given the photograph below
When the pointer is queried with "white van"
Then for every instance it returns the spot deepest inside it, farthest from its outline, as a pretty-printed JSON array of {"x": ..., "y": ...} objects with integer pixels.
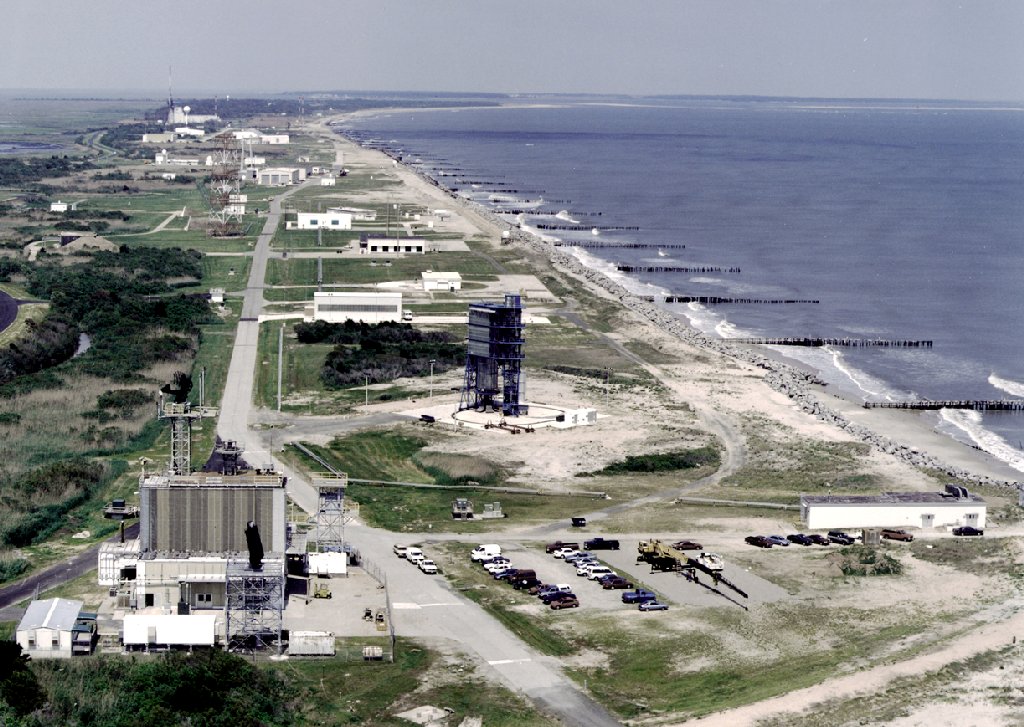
[
  {"x": 485, "y": 551},
  {"x": 599, "y": 570},
  {"x": 414, "y": 555}
]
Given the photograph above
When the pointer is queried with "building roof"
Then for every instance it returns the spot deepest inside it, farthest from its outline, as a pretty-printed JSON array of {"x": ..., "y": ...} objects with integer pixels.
[
  {"x": 430, "y": 275},
  {"x": 893, "y": 498},
  {"x": 59, "y": 614}
]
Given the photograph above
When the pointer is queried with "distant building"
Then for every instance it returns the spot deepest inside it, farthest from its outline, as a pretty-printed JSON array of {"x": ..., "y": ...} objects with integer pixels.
[
  {"x": 55, "y": 629},
  {"x": 59, "y": 206},
  {"x": 272, "y": 139},
  {"x": 280, "y": 176},
  {"x": 169, "y": 176},
  {"x": 448, "y": 282},
  {"x": 953, "y": 507},
  {"x": 162, "y": 158},
  {"x": 321, "y": 221},
  {"x": 162, "y": 631},
  {"x": 338, "y": 307},
  {"x": 370, "y": 244},
  {"x": 359, "y": 214},
  {"x": 217, "y": 296},
  {"x": 189, "y": 132},
  {"x": 164, "y": 137},
  {"x": 327, "y": 181},
  {"x": 178, "y": 115}
]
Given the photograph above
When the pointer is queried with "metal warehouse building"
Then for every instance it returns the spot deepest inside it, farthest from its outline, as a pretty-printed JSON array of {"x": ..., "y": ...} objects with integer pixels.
[
  {"x": 361, "y": 307},
  {"x": 953, "y": 507}
]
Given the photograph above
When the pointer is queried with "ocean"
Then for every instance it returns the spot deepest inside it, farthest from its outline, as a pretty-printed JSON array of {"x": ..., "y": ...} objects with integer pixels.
[{"x": 899, "y": 220}]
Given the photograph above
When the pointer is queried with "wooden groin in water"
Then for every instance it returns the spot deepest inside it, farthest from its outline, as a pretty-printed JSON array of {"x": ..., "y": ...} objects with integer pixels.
[
  {"x": 587, "y": 228},
  {"x": 672, "y": 269},
  {"x": 716, "y": 300},
  {"x": 973, "y": 404},
  {"x": 621, "y": 245},
  {"x": 839, "y": 342}
]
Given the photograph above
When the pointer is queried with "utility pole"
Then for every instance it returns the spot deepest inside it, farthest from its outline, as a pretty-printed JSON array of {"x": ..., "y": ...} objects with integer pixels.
[
  {"x": 366, "y": 390},
  {"x": 432, "y": 362},
  {"x": 280, "y": 362}
]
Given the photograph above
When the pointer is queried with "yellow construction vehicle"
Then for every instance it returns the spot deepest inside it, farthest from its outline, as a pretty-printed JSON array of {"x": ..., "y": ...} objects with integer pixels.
[{"x": 322, "y": 590}]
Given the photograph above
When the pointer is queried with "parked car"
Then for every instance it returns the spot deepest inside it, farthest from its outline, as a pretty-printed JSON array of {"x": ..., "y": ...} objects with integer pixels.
[
  {"x": 687, "y": 545},
  {"x": 481, "y": 552},
  {"x": 897, "y": 534},
  {"x": 601, "y": 544},
  {"x": 567, "y": 600},
  {"x": 759, "y": 540},
  {"x": 525, "y": 584},
  {"x": 819, "y": 539},
  {"x": 579, "y": 556},
  {"x": 553, "y": 588},
  {"x": 653, "y": 606},
  {"x": 414, "y": 555},
  {"x": 638, "y": 596},
  {"x": 562, "y": 552},
  {"x": 597, "y": 571},
  {"x": 615, "y": 583},
  {"x": 777, "y": 540},
  {"x": 556, "y": 595},
  {"x": 552, "y": 547},
  {"x": 428, "y": 566},
  {"x": 968, "y": 530},
  {"x": 506, "y": 574},
  {"x": 838, "y": 536},
  {"x": 799, "y": 538},
  {"x": 496, "y": 566},
  {"x": 579, "y": 522},
  {"x": 400, "y": 550}
]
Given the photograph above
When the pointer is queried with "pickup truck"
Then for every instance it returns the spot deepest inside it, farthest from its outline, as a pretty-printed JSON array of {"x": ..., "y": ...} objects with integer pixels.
[
  {"x": 638, "y": 596},
  {"x": 601, "y": 544},
  {"x": 841, "y": 538},
  {"x": 558, "y": 544},
  {"x": 893, "y": 534}
]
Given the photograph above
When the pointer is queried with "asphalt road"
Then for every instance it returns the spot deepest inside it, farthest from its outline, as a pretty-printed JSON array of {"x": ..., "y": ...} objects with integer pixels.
[{"x": 59, "y": 573}]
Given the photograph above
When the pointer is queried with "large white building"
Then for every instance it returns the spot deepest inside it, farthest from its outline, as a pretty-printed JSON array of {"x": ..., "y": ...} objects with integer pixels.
[
  {"x": 337, "y": 307},
  {"x": 329, "y": 220},
  {"x": 953, "y": 507}
]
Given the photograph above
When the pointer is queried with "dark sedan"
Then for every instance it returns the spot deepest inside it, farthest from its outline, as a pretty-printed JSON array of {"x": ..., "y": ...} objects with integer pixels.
[
  {"x": 759, "y": 540},
  {"x": 819, "y": 539},
  {"x": 687, "y": 545},
  {"x": 800, "y": 539},
  {"x": 968, "y": 530}
]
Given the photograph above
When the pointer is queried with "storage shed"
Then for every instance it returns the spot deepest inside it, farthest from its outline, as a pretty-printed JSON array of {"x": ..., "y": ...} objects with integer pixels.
[
  {"x": 446, "y": 282},
  {"x": 953, "y": 507},
  {"x": 48, "y": 629},
  {"x": 311, "y": 643}
]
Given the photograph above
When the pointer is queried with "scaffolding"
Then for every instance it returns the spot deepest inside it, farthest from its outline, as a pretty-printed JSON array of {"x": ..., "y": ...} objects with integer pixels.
[
  {"x": 495, "y": 352},
  {"x": 182, "y": 415},
  {"x": 254, "y": 604},
  {"x": 330, "y": 511}
]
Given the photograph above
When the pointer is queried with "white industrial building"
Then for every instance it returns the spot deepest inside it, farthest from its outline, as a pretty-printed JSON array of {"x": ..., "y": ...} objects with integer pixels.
[
  {"x": 359, "y": 214},
  {"x": 953, "y": 507},
  {"x": 59, "y": 206},
  {"x": 272, "y": 139},
  {"x": 370, "y": 244},
  {"x": 329, "y": 220},
  {"x": 281, "y": 176},
  {"x": 328, "y": 181},
  {"x": 164, "y": 137},
  {"x": 337, "y": 307},
  {"x": 161, "y": 631},
  {"x": 55, "y": 629},
  {"x": 189, "y": 132},
  {"x": 447, "y": 282},
  {"x": 164, "y": 159}
]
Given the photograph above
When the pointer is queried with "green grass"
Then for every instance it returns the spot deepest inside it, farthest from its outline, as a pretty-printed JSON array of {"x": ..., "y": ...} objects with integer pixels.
[
  {"x": 336, "y": 691},
  {"x": 359, "y": 270},
  {"x": 975, "y": 555},
  {"x": 229, "y": 273},
  {"x": 34, "y": 312}
]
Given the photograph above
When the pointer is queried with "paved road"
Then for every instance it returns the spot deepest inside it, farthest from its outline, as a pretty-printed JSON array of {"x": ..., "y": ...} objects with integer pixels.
[{"x": 59, "y": 573}]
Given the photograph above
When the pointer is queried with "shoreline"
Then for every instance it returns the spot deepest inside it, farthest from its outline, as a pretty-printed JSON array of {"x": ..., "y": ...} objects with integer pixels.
[{"x": 900, "y": 434}]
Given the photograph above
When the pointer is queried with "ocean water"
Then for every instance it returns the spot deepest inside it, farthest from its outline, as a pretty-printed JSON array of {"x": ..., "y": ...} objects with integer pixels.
[{"x": 904, "y": 221}]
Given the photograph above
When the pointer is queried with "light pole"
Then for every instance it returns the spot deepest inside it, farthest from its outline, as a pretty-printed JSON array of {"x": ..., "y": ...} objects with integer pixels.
[
  {"x": 432, "y": 362},
  {"x": 366, "y": 390}
]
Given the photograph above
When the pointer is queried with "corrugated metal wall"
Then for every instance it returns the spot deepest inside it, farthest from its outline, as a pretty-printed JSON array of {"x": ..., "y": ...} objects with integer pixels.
[{"x": 206, "y": 519}]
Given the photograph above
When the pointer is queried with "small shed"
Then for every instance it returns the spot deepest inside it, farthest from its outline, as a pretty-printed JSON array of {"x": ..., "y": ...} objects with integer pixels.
[
  {"x": 311, "y": 643},
  {"x": 447, "y": 282},
  {"x": 47, "y": 630}
]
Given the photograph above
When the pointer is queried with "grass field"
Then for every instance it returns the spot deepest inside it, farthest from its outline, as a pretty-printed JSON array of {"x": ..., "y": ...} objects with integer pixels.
[
  {"x": 366, "y": 269},
  {"x": 339, "y": 691}
]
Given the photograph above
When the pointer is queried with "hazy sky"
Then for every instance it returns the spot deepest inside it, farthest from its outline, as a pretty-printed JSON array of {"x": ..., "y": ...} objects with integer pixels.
[{"x": 971, "y": 49}]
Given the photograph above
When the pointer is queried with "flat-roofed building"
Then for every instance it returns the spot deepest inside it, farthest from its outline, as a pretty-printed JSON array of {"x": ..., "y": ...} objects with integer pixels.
[
  {"x": 280, "y": 176},
  {"x": 162, "y": 631},
  {"x": 953, "y": 507},
  {"x": 329, "y": 220},
  {"x": 373, "y": 244},
  {"x": 338, "y": 307},
  {"x": 448, "y": 282}
]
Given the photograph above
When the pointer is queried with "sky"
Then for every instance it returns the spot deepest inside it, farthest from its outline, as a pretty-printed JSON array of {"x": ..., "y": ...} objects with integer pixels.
[{"x": 970, "y": 50}]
